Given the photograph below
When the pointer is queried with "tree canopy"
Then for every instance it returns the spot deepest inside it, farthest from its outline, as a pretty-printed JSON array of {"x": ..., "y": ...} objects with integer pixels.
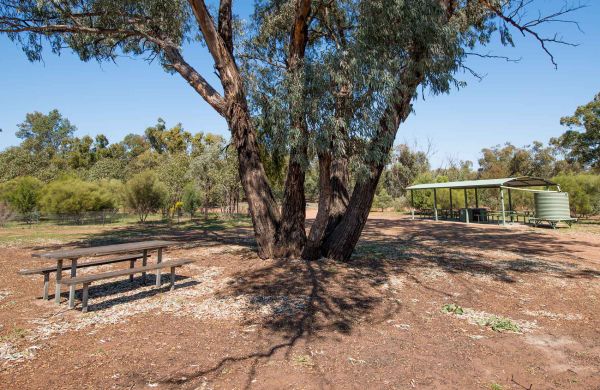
[
  {"x": 333, "y": 79},
  {"x": 581, "y": 143}
]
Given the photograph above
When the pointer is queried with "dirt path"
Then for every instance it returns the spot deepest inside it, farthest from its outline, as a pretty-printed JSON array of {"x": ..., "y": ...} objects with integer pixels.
[{"x": 377, "y": 322}]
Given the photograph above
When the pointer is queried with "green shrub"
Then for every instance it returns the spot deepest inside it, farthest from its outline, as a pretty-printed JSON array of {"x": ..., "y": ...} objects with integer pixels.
[
  {"x": 452, "y": 308},
  {"x": 74, "y": 196},
  {"x": 22, "y": 195},
  {"x": 502, "y": 324},
  {"x": 584, "y": 192},
  {"x": 382, "y": 200},
  {"x": 191, "y": 200},
  {"x": 145, "y": 194}
]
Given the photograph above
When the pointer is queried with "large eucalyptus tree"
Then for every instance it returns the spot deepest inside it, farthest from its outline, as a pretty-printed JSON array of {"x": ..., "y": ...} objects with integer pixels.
[{"x": 328, "y": 78}]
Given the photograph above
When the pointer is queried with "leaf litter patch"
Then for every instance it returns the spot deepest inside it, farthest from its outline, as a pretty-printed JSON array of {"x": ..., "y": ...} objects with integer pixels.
[
  {"x": 492, "y": 321},
  {"x": 198, "y": 299}
]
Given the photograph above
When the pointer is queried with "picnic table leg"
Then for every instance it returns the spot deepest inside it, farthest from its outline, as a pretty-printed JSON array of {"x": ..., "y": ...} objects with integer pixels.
[
  {"x": 172, "y": 278},
  {"x": 46, "y": 285},
  {"x": 144, "y": 263},
  {"x": 84, "y": 298},
  {"x": 59, "y": 266},
  {"x": 131, "y": 265},
  {"x": 158, "y": 261},
  {"x": 72, "y": 287}
]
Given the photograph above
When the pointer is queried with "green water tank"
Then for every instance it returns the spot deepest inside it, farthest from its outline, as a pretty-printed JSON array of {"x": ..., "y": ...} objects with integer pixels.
[{"x": 552, "y": 205}]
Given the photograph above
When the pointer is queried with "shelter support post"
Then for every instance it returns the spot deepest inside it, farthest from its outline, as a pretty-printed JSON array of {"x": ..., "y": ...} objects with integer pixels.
[
  {"x": 435, "y": 211},
  {"x": 451, "y": 207},
  {"x": 510, "y": 207},
  {"x": 502, "y": 206},
  {"x": 412, "y": 204},
  {"x": 476, "y": 199},
  {"x": 466, "y": 207}
]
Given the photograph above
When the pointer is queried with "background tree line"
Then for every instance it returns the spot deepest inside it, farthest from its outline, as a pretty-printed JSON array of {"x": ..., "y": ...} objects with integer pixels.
[
  {"x": 167, "y": 170},
  {"x": 173, "y": 171}
]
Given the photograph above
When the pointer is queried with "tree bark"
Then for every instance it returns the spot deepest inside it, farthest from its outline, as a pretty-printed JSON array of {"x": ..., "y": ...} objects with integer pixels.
[
  {"x": 333, "y": 184},
  {"x": 292, "y": 234},
  {"x": 341, "y": 242},
  {"x": 333, "y": 202},
  {"x": 261, "y": 202}
]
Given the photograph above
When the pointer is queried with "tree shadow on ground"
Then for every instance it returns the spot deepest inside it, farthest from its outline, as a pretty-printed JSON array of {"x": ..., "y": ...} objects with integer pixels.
[
  {"x": 309, "y": 300},
  {"x": 200, "y": 233},
  {"x": 305, "y": 299}
]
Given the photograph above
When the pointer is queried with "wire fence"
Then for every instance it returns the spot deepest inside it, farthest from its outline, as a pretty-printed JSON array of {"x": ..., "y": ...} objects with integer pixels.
[{"x": 103, "y": 217}]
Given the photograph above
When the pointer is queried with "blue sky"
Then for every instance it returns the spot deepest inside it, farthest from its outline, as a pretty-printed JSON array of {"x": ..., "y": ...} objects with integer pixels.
[{"x": 516, "y": 102}]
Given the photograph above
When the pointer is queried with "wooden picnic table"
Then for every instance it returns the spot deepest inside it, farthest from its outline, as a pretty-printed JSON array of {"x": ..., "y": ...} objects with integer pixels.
[{"x": 74, "y": 254}]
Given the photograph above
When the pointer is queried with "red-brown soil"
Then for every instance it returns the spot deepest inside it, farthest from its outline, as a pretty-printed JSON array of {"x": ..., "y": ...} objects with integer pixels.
[{"x": 236, "y": 321}]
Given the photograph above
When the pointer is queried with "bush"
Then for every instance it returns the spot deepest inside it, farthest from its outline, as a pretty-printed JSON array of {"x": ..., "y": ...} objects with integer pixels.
[
  {"x": 584, "y": 192},
  {"x": 22, "y": 195},
  {"x": 74, "y": 197},
  {"x": 382, "y": 200},
  {"x": 191, "y": 200},
  {"x": 145, "y": 194}
]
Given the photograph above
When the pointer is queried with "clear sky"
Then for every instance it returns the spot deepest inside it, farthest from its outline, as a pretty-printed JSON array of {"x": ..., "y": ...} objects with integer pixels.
[{"x": 516, "y": 102}]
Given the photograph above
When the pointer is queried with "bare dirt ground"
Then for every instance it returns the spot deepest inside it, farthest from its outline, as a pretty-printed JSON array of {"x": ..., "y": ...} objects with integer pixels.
[{"x": 235, "y": 321}]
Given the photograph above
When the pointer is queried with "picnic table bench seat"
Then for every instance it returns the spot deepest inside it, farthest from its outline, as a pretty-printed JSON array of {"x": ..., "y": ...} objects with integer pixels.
[
  {"x": 86, "y": 280},
  {"x": 46, "y": 271}
]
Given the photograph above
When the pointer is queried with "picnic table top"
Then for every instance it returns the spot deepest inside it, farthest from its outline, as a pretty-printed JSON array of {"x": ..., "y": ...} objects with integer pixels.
[{"x": 103, "y": 250}]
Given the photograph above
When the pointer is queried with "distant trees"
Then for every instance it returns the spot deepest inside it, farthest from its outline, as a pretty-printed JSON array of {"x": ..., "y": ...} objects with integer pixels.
[
  {"x": 50, "y": 151},
  {"x": 201, "y": 171},
  {"x": 407, "y": 164},
  {"x": 584, "y": 192},
  {"x": 45, "y": 134},
  {"x": 382, "y": 200},
  {"x": 145, "y": 194},
  {"x": 509, "y": 161},
  {"x": 581, "y": 143}
]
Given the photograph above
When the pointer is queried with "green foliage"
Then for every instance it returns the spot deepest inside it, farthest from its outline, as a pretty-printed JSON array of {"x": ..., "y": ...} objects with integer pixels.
[
  {"x": 406, "y": 166},
  {"x": 22, "y": 194},
  {"x": 501, "y": 324},
  {"x": 382, "y": 200},
  {"x": 510, "y": 161},
  {"x": 495, "y": 386},
  {"x": 46, "y": 134},
  {"x": 191, "y": 200},
  {"x": 584, "y": 192},
  {"x": 452, "y": 308},
  {"x": 581, "y": 143},
  {"x": 145, "y": 194},
  {"x": 72, "y": 196},
  {"x": 171, "y": 171}
]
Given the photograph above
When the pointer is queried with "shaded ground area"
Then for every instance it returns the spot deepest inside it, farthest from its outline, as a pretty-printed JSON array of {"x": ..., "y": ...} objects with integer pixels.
[{"x": 377, "y": 322}]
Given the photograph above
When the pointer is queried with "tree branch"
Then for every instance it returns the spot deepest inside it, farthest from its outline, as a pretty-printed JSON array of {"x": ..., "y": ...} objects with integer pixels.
[{"x": 526, "y": 28}]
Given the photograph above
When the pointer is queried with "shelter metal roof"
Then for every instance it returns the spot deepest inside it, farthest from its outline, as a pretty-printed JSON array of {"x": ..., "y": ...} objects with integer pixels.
[{"x": 516, "y": 182}]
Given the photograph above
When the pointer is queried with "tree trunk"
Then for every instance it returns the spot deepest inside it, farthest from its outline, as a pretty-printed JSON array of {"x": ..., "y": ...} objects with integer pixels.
[
  {"x": 261, "y": 202},
  {"x": 340, "y": 243},
  {"x": 333, "y": 183},
  {"x": 333, "y": 201},
  {"x": 292, "y": 234}
]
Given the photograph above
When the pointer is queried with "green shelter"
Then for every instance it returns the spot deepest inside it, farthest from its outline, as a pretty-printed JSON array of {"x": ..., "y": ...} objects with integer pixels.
[{"x": 505, "y": 186}]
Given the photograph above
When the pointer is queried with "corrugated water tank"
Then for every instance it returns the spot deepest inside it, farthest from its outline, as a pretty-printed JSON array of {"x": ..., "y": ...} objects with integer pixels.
[{"x": 552, "y": 205}]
